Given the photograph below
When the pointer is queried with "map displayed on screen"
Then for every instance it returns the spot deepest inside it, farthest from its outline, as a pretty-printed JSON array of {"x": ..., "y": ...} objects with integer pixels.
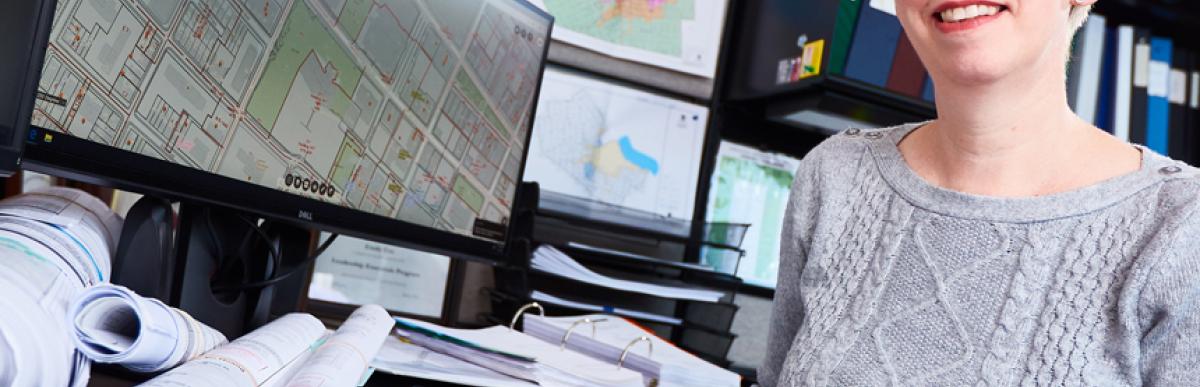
[
  {"x": 752, "y": 187},
  {"x": 411, "y": 109},
  {"x": 609, "y": 143},
  {"x": 681, "y": 35}
]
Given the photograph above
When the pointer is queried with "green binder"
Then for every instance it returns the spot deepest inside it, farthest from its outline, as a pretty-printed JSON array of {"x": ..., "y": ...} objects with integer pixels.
[{"x": 843, "y": 34}]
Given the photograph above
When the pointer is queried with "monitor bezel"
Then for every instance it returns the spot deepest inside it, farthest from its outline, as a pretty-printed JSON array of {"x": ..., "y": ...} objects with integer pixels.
[{"x": 67, "y": 156}]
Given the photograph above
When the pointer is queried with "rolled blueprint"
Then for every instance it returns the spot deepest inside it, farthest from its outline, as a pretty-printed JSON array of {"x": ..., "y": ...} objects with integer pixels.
[
  {"x": 345, "y": 355},
  {"x": 53, "y": 243},
  {"x": 260, "y": 358},
  {"x": 112, "y": 324}
]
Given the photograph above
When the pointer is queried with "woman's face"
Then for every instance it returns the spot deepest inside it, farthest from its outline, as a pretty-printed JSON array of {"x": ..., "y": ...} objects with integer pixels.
[{"x": 981, "y": 41}]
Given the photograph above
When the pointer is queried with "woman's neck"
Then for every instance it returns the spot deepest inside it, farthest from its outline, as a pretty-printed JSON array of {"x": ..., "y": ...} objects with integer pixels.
[{"x": 1013, "y": 138}]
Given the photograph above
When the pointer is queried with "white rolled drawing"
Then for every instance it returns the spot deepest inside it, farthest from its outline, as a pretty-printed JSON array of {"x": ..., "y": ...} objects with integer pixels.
[{"x": 112, "y": 324}]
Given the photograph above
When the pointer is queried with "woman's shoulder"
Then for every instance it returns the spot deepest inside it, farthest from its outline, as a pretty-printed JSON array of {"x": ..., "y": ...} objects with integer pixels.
[{"x": 847, "y": 150}]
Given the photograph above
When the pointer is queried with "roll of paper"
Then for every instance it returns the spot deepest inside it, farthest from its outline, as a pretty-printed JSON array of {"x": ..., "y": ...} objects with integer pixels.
[{"x": 112, "y": 324}]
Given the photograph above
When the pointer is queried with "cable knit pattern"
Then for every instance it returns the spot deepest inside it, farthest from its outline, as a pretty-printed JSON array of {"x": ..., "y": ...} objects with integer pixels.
[{"x": 888, "y": 280}]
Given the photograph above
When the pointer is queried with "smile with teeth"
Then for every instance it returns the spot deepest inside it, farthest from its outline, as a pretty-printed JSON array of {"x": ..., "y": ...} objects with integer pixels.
[{"x": 960, "y": 14}]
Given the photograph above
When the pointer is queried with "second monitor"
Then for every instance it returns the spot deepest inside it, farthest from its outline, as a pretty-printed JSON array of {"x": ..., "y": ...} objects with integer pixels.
[{"x": 602, "y": 141}]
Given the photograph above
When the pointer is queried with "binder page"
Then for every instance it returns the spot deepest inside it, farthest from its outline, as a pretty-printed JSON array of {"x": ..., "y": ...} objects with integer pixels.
[
  {"x": 561, "y": 363},
  {"x": 678, "y": 367},
  {"x": 112, "y": 324},
  {"x": 346, "y": 354},
  {"x": 250, "y": 360}
]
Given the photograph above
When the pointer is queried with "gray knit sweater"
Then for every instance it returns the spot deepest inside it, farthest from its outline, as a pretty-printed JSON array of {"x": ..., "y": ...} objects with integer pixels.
[{"x": 888, "y": 280}]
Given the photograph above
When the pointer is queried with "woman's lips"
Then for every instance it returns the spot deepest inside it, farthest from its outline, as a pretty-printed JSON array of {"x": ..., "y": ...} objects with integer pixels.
[{"x": 965, "y": 25}]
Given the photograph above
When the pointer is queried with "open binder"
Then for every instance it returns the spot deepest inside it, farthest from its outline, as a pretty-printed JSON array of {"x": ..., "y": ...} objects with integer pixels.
[
  {"x": 593, "y": 350},
  {"x": 618, "y": 341}
]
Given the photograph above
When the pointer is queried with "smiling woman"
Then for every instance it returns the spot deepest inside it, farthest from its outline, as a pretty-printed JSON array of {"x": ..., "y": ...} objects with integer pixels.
[{"x": 1006, "y": 242}]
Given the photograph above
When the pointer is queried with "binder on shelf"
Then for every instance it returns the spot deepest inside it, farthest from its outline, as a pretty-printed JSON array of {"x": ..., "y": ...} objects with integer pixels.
[
  {"x": 1179, "y": 144},
  {"x": 1074, "y": 67},
  {"x": 1158, "y": 114},
  {"x": 1140, "y": 80},
  {"x": 907, "y": 75},
  {"x": 1108, "y": 74},
  {"x": 1194, "y": 108},
  {"x": 1191, "y": 109},
  {"x": 847, "y": 20},
  {"x": 1123, "y": 82},
  {"x": 1090, "y": 54},
  {"x": 874, "y": 45},
  {"x": 927, "y": 93}
]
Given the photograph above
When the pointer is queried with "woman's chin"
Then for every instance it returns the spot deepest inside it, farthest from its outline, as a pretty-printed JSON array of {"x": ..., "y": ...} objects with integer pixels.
[{"x": 976, "y": 72}]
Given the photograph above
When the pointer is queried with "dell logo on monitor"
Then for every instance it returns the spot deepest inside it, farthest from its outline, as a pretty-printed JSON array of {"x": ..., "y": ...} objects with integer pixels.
[{"x": 306, "y": 215}]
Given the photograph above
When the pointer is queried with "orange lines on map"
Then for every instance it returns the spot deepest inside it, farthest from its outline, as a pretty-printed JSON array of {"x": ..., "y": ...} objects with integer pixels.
[{"x": 649, "y": 10}]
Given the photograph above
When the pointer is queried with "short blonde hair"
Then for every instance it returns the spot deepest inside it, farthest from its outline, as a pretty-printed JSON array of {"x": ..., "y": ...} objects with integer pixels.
[{"x": 1079, "y": 15}]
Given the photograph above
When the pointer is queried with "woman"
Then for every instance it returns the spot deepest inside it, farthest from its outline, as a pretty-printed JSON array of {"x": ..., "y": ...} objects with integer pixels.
[{"x": 1006, "y": 242}]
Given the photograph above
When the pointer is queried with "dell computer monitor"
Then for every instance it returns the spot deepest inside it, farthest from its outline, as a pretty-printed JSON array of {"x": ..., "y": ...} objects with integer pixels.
[{"x": 403, "y": 121}]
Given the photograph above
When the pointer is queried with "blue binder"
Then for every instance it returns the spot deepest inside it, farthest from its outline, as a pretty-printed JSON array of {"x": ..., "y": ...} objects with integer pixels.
[
  {"x": 1108, "y": 81},
  {"x": 1158, "y": 109},
  {"x": 928, "y": 92},
  {"x": 874, "y": 46}
]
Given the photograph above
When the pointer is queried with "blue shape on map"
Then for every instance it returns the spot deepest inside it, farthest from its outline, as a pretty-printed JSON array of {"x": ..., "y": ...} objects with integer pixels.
[
  {"x": 589, "y": 171},
  {"x": 641, "y": 160}
]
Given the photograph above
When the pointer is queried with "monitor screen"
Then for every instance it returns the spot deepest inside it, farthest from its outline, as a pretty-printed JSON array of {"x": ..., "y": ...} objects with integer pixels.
[
  {"x": 750, "y": 186},
  {"x": 602, "y": 141},
  {"x": 413, "y": 110}
]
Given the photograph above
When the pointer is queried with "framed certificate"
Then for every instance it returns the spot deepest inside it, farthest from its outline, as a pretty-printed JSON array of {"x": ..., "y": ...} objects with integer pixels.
[{"x": 406, "y": 282}]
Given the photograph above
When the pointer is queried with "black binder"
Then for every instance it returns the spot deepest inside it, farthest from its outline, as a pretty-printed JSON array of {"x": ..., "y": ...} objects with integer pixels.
[{"x": 1140, "y": 96}]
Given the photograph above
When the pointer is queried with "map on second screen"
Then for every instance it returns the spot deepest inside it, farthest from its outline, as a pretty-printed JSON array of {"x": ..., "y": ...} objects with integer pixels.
[{"x": 616, "y": 145}]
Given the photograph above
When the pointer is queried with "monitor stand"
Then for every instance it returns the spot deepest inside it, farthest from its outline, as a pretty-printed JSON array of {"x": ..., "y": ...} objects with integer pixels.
[{"x": 176, "y": 259}]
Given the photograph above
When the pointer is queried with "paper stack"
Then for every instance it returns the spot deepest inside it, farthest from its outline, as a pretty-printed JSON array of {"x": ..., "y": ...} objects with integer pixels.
[
  {"x": 294, "y": 350},
  {"x": 550, "y": 260},
  {"x": 403, "y": 357},
  {"x": 53, "y": 243},
  {"x": 268, "y": 356},
  {"x": 347, "y": 353}
]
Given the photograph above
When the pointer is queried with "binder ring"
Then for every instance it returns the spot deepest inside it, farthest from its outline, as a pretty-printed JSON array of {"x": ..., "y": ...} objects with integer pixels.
[
  {"x": 586, "y": 320},
  {"x": 649, "y": 350},
  {"x": 517, "y": 317}
]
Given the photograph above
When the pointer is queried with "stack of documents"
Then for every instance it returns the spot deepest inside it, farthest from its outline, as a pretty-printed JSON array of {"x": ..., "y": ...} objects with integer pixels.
[
  {"x": 53, "y": 243},
  {"x": 294, "y": 350},
  {"x": 549, "y": 299},
  {"x": 517, "y": 355},
  {"x": 403, "y": 357},
  {"x": 607, "y": 337},
  {"x": 268, "y": 356},
  {"x": 112, "y": 324},
  {"x": 550, "y": 260},
  {"x": 345, "y": 355}
]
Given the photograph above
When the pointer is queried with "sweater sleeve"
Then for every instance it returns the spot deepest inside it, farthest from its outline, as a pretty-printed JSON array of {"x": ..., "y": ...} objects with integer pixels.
[
  {"x": 787, "y": 311},
  {"x": 1170, "y": 308}
]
